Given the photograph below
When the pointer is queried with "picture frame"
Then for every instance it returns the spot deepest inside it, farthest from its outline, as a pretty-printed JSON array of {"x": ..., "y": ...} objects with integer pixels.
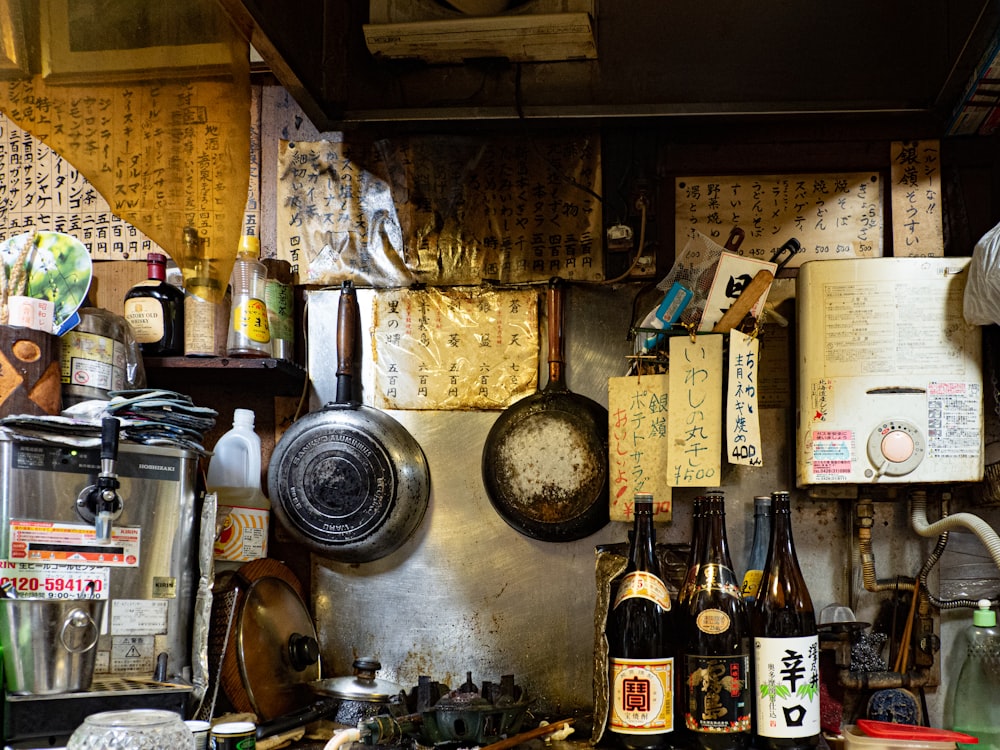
[
  {"x": 115, "y": 41},
  {"x": 13, "y": 45}
]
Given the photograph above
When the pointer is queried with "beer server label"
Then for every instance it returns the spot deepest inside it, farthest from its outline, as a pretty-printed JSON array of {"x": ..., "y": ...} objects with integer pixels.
[
  {"x": 642, "y": 696},
  {"x": 717, "y": 694},
  {"x": 787, "y": 686}
]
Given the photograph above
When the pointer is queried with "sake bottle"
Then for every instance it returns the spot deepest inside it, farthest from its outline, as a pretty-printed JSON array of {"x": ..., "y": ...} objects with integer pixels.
[
  {"x": 786, "y": 647},
  {"x": 716, "y": 649},
  {"x": 641, "y": 650},
  {"x": 697, "y": 534},
  {"x": 758, "y": 548}
]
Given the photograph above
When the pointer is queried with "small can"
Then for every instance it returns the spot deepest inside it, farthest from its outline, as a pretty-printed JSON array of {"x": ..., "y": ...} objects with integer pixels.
[{"x": 233, "y": 735}]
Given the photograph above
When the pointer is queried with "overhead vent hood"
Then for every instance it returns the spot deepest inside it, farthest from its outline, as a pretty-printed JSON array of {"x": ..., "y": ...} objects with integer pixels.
[
  {"x": 650, "y": 58},
  {"x": 437, "y": 31}
]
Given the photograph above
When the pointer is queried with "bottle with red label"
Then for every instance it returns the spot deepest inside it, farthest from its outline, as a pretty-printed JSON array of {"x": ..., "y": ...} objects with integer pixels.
[
  {"x": 641, "y": 647},
  {"x": 716, "y": 650}
]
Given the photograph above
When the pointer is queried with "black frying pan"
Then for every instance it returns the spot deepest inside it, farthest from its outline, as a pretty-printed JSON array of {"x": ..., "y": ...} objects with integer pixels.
[
  {"x": 545, "y": 461},
  {"x": 348, "y": 481}
]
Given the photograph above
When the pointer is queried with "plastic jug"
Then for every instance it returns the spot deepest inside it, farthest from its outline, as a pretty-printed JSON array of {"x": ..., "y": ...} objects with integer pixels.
[{"x": 234, "y": 475}]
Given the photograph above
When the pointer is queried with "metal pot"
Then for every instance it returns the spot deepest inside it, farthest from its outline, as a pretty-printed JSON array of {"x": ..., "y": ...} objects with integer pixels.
[
  {"x": 347, "y": 700},
  {"x": 349, "y": 481},
  {"x": 48, "y": 644},
  {"x": 545, "y": 461}
]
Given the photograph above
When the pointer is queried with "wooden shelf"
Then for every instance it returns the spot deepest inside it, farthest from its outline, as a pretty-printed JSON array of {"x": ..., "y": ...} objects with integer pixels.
[{"x": 277, "y": 377}]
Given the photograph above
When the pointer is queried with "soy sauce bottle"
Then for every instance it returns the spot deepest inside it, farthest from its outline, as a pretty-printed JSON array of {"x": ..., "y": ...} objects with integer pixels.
[
  {"x": 786, "y": 646},
  {"x": 717, "y": 699},
  {"x": 641, "y": 647}
]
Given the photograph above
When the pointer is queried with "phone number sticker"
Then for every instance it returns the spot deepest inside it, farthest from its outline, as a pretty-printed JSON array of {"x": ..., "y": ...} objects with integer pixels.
[{"x": 43, "y": 581}]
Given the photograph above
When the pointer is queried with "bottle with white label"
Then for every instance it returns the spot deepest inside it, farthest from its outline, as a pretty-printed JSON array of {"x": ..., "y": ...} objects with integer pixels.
[
  {"x": 786, "y": 646},
  {"x": 244, "y": 510}
]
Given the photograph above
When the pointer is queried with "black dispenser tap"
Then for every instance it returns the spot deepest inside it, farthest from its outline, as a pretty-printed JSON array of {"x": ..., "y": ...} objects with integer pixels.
[{"x": 100, "y": 504}]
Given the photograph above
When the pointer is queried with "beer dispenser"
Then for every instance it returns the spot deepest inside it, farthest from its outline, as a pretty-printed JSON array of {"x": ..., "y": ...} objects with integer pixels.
[{"x": 119, "y": 523}]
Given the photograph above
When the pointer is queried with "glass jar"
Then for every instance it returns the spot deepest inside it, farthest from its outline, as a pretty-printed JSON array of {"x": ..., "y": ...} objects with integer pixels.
[{"x": 137, "y": 729}]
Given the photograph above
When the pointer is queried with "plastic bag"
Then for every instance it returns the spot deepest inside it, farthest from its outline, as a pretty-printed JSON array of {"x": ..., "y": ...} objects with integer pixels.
[{"x": 981, "y": 304}]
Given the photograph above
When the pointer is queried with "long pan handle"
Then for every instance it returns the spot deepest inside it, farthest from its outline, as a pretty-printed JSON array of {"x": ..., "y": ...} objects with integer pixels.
[
  {"x": 347, "y": 326},
  {"x": 554, "y": 306}
]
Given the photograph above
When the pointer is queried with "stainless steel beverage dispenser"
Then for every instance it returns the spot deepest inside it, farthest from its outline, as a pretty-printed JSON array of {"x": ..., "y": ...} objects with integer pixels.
[{"x": 147, "y": 571}]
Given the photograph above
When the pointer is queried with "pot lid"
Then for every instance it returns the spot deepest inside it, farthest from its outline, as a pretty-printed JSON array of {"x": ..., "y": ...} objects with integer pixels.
[
  {"x": 362, "y": 686},
  {"x": 277, "y": 647}
]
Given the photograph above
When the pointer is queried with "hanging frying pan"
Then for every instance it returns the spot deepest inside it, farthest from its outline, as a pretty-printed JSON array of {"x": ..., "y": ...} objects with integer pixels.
[
  {"x": 348, "y": 481},
  {"x": 545, "y": 461}
]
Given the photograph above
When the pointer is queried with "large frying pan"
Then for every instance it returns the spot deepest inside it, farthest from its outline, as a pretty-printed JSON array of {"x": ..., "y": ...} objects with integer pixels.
[
  {"x": 348, "y": 481},
  {"x": 545, "y": 461}
]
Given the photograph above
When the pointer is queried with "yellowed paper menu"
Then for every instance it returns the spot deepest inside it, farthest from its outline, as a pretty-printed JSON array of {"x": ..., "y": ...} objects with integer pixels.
[
  {"x": 456, "y": 348},
  {"x": 917, "y": 229},
  {"x": 637, "y": 445},
  {"x": 695, "y": 417}
]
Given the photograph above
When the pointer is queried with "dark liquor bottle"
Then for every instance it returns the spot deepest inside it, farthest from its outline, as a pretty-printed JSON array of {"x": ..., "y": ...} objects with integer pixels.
[
  {"x": 694, "y": 556},
  {"x": 640, "y": 644},
  {"x": 716, "y": 643},
  {"x": 758, "y": 549},
  {"x": 786, "y": 647},
  {"x": 155, "y": 310}
]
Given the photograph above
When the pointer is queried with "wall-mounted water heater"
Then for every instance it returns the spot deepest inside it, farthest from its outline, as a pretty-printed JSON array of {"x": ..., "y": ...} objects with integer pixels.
[{"x": 890, "y": 375}]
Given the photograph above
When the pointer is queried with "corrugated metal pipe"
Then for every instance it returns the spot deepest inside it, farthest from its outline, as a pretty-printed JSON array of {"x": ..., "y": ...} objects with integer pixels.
[{"x": 864, "y": 518}]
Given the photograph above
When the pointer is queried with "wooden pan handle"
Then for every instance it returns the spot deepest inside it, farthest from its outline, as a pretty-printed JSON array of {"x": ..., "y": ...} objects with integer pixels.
[
  {"x": 554, "y": 308},
  {"x": 347, "y": 326}
]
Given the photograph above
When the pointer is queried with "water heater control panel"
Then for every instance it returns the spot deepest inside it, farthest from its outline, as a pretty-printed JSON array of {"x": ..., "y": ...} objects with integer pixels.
[{"x": 890, "y": 374}]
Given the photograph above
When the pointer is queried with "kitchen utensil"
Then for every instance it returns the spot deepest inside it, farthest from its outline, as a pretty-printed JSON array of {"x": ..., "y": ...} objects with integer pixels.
[
  {"x": 348, "y": 481},
  {"x": 545, "y": 460},
  {"x": 134, "y": 729},
  {"x": 48, "y": 644},
  {"x": 272, "y": 654},
  {"x": 347, "y": 700}
]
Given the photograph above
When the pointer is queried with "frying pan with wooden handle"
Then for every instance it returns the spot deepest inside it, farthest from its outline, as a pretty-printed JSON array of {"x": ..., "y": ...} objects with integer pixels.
[{"x": 545, "y": 460}]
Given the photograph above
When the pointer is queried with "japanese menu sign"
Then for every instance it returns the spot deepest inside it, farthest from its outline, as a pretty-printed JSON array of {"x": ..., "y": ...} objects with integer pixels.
[
  {"x": 831, "y": 215},
  {"x": 637, "y": 444},
  {"x": 441, "y": 210},
  {"x": 917, "y": 229},
  {"x": 472, "y": 348},
  {"x": 743, "y": 442},
  {"x": 41, "y": 190},
  {"x": 694, "y": 421}
]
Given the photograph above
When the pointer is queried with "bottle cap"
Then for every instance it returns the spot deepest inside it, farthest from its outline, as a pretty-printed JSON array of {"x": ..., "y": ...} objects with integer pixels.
[
  {"x": 761, "y": 503},
  {"x": 244, "y": 416},
  {"x": 643, "y": 497},
  {"x": 984, "y": 616},
  {"x": 250, "y": 245}
]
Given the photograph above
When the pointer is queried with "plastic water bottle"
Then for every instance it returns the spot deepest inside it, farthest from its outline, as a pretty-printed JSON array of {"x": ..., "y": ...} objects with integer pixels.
[
  {"x": 977, "y": 710},
  {"x": 244, "y": 510},
  {"x": 249, "y": 330}
]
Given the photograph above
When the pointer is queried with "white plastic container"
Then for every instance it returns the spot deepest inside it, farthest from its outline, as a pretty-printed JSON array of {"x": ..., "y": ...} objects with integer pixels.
[{"x": 234, "y": 475}]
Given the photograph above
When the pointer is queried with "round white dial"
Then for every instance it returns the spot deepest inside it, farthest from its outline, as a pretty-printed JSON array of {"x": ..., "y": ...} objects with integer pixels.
[{"x": 896, "y": 447}]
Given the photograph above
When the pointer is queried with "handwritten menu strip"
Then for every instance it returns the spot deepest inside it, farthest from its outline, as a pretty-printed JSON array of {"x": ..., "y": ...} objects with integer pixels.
[
  {"x": 694, "y": 421},
  {"x": 637, "y": 444},
  {"x": 743, "y": 441},
  {"x": 165, "y": 155},
  {"x": 917, "y": 229},
  {"x": 442, "y": 210},
  {"x": 831, "y": 215},
  {"x": 454, "y": 348},
  {"x": 41, "y": 190}
]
